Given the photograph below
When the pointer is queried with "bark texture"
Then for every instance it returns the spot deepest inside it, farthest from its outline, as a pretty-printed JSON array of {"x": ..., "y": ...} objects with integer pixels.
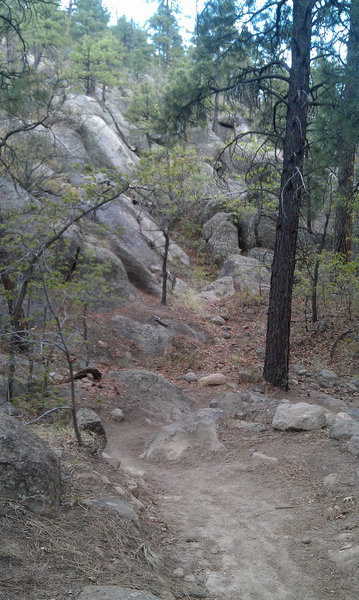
[
  {"x": 292, "y": 187},
  {"x": 348, "y": 141}
]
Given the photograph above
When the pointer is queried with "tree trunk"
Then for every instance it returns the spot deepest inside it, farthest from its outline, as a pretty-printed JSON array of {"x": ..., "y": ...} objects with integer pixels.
[
  {"x": 215, "y": 113},
  {"x": 276, "y": 364},
  {"x": 90, "y": 86},
  {"x": 316, "y": 268},
  {"x": 37, "y": 57},
  {"x": 164, "y": 268},
  {"x": 18, "y": 322},
  {"x": 103, "y": 94},
  {"x": 69, "y": 16},
  {"x": 344, "y": 208},
  {"x": 348, "y": 141}
]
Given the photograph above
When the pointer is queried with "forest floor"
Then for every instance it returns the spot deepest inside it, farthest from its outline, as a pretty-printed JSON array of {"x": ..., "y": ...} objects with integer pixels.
[{"x": 281, "y": 524}]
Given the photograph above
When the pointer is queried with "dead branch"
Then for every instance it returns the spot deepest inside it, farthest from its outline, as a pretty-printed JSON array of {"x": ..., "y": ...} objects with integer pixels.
[
  {"x": 339, "y": 338},
  {"x": 96, "y": 374}
]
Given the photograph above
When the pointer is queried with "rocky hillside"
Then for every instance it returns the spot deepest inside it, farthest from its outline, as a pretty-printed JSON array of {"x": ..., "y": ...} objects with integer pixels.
[{"x": 91, "y": 133}]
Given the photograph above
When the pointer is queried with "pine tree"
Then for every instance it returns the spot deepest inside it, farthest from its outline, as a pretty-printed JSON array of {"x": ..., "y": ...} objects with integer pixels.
[
  {"x": 348, "y": 138},
  {"x": 144, "y": 109},
  {"x": 138, "y": 51},
  {"x": 83, "y": 60},
  {"x": 97, "y": 61},
  {"x": 45, "y": 32},
  {"x": 165, "y": 34},
  {"x": 13, "y": 60},
  {"x": 89, "y": 18},
  {"x": 276, "y": 365},
  {"x": 215, "y": 52},
  {"x": 168, "y": 182},
  {"x": 108, "y": 56}
]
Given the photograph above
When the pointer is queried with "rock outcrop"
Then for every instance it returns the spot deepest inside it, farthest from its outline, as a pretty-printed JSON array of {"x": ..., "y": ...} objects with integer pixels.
[
  {"x": 242, "y": 405},
  {"x": 120, "y": 289},
  {"x": 29, "y": 470},
  {"x": 249, "y": 275},
  {"x": 91, "y": 132},
  {"x": 221, "y": 237},
  {"x": 148, "y": 395},
  {"x": 99, "y": 136},
  {"x": 151, "y": 340},
  {"x": 121, "y": 218},
  {"x": 219, "y": 289},
  {"x": 266, "y": 232},
  {"x": 88, "y": 420},
  {"x": 154, "y": 339}
]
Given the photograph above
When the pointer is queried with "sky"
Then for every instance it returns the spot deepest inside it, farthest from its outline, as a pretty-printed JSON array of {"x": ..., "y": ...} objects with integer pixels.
[{"x": 141, "y": 10}]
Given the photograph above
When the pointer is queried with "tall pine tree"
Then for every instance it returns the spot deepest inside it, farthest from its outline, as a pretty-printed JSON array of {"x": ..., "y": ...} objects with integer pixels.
[
  {"x": 164, "y": 31},
  {"x": 348, "y": 138},
  {"x": 89, "y": 17}
]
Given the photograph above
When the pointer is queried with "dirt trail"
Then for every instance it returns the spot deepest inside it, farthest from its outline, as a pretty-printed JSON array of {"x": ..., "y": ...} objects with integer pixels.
[{"x": 249, "y": 528}]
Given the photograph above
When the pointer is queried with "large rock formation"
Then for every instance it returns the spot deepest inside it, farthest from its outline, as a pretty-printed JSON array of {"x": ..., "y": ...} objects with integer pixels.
[
  {"x": 219, "y": 289},
  {"x": 150, "y": 339},
  {"x": 121, "y": 217},
  {"x": 121, "y": 291},
  {"x": 154, "y": 338},
  {"x": 221, "y": 237},
  {"x": 29, "y": 470},
  {"x": 137, "y": 272},
  {"x": 266, "y": 232},
  {"x": 90, "y": 132},
  {"x": 149, "y": 395},
  {"x": 102, "y": 140},
  {"x": 249, "y": 275}
]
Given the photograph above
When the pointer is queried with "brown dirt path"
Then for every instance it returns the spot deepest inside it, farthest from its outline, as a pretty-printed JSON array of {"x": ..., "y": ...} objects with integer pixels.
[{"x": 247, "y": 528}]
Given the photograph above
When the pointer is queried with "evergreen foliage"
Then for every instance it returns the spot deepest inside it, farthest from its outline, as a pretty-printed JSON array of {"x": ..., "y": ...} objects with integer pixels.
[
  {"x": 293, "y": 84},
  {"x": 97, "y": 61},
  {"x": 169, "y": 182},
  {"x": 138, "y": 50},
  {"x": 45, "y": 32},
  {"x": 89, "y": 18},
  {"x": 165, "y": 34}
]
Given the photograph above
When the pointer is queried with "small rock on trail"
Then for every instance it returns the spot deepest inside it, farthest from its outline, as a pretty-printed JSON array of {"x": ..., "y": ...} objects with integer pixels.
[
  {"x": 213, "y": 379},
  {"x": 344, "y": 427},
  {"x": 114, "y": 592},
  {"x": 299, "y": 416},
  {"x": 197, "y": 430}
]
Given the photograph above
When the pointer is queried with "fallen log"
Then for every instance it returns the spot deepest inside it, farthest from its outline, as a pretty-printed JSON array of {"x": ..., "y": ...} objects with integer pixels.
[{"x": 96, "y": 374}]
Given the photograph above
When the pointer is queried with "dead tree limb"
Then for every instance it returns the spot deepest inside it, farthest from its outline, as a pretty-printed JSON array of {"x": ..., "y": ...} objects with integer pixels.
[{"x": 96, "y": 374}]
